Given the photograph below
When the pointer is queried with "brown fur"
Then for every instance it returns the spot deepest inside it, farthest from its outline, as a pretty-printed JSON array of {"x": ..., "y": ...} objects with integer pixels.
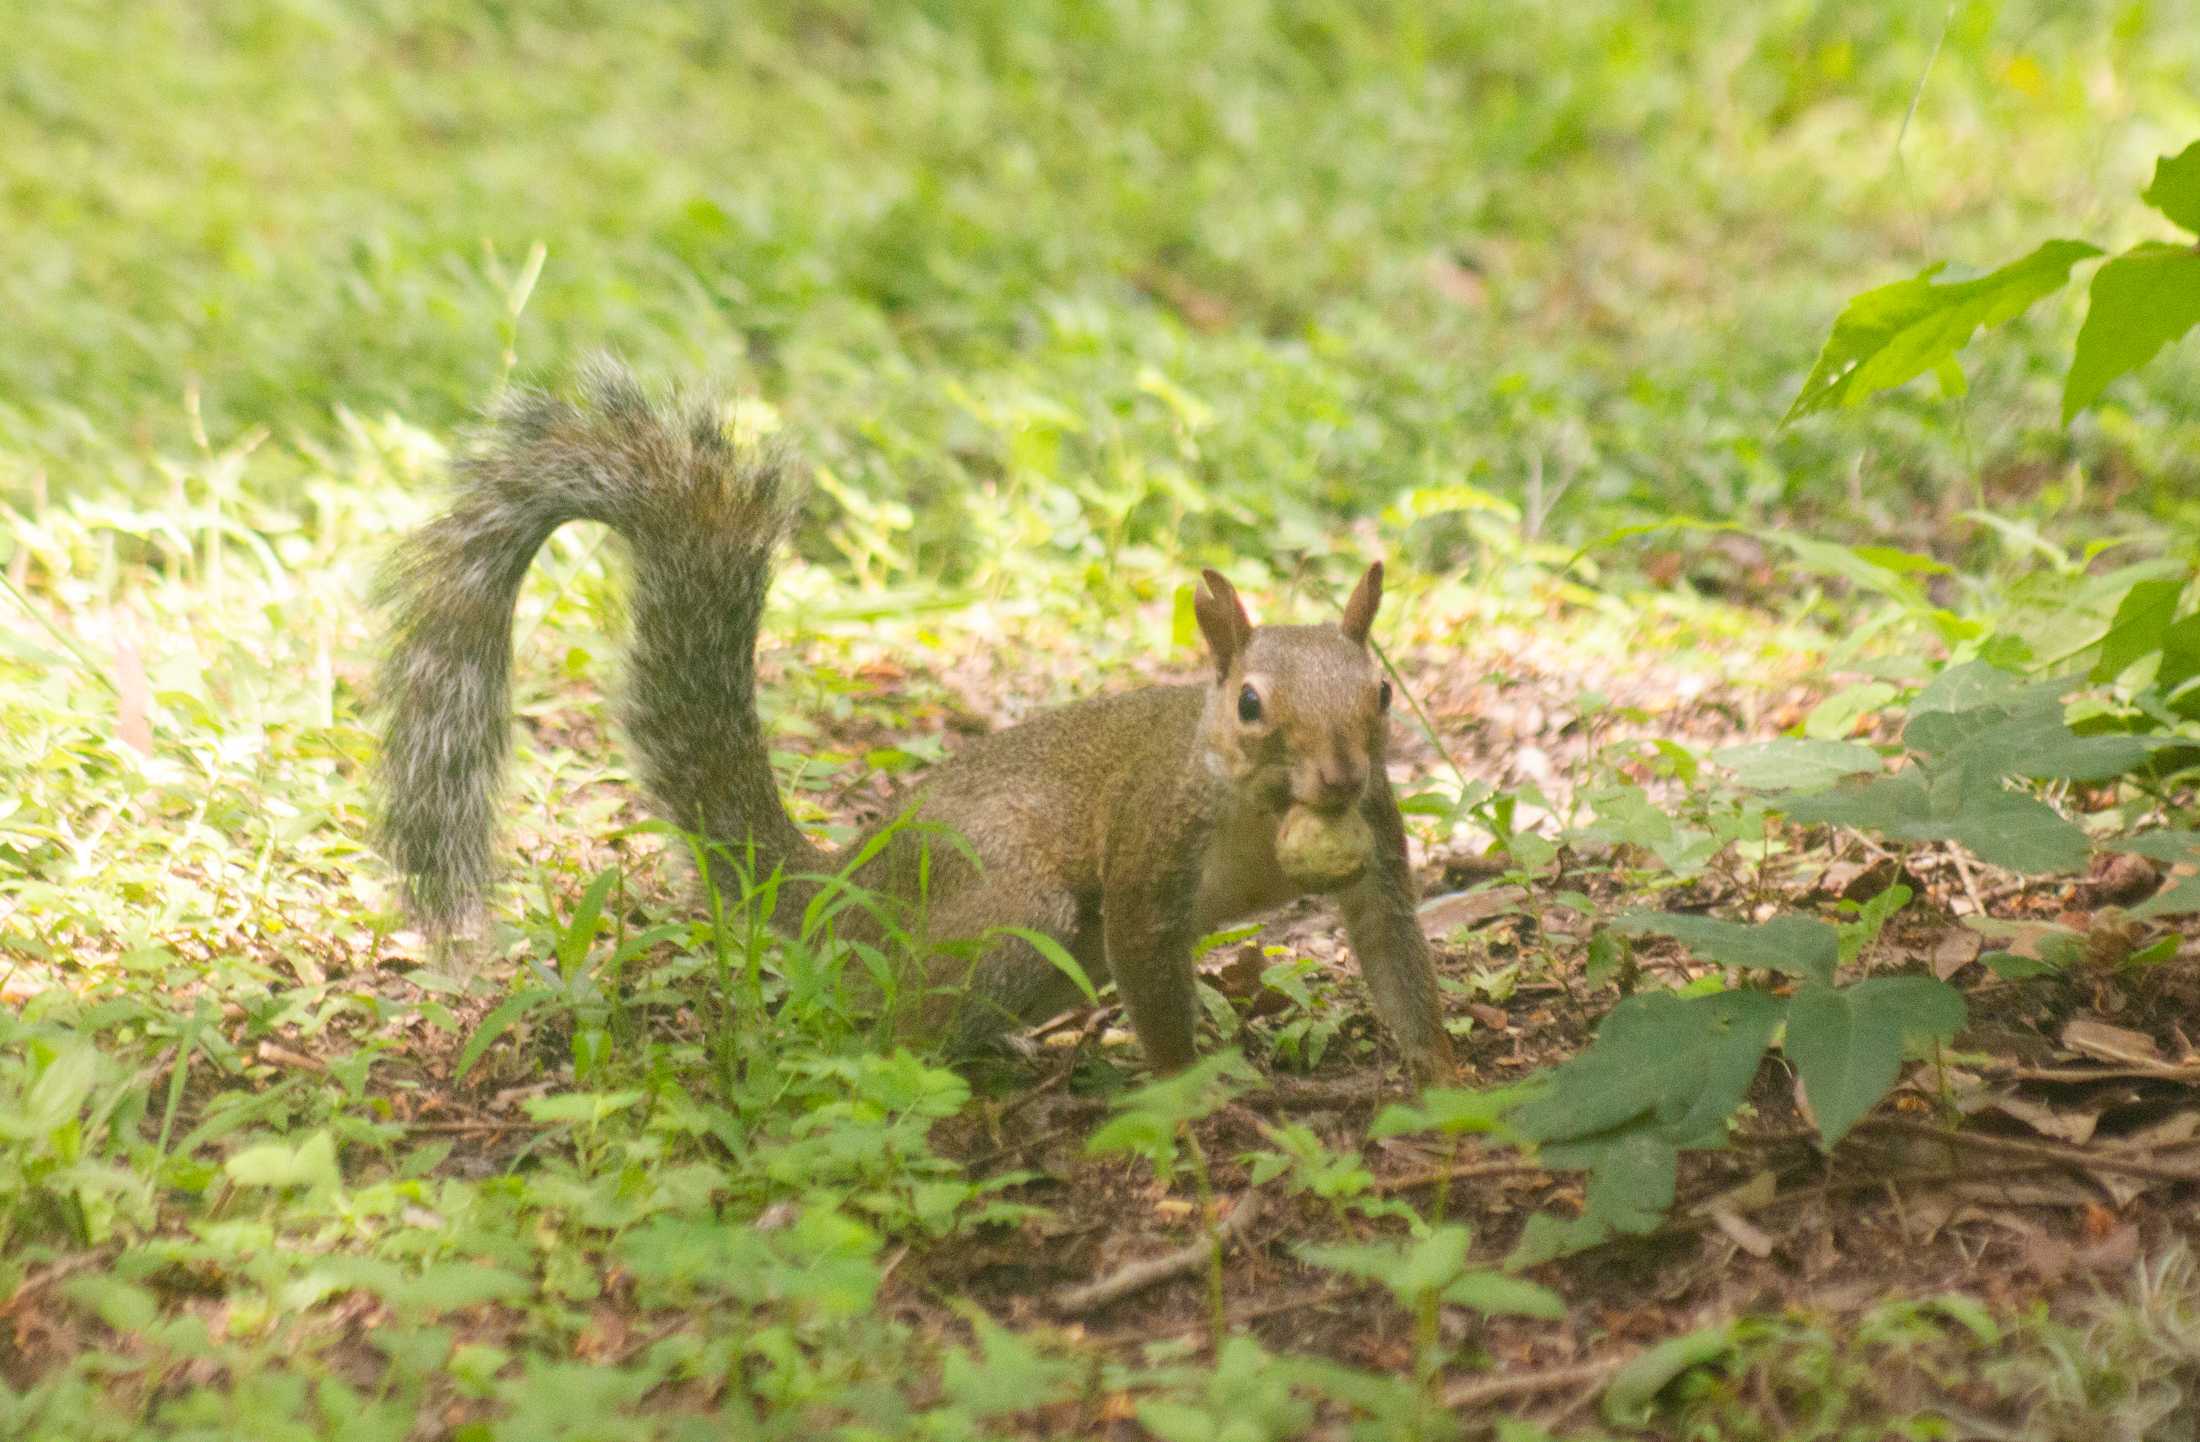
[{"x": 1123, "y": 827}]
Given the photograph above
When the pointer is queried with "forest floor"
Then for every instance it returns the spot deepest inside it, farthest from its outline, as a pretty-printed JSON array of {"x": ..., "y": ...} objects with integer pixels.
[{"x": 2037, "y": 1172}]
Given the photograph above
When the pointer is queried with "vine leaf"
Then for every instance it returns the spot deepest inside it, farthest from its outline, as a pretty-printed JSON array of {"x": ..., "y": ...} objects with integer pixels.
[
  {"x": 1790, "y": 945},
  {"x": 1682, "y": 1063},
  {"x": 1847, "y": 1044},
  {"x": 1796, "y": 763},
  {"x": 2175, "y": 190},
  {"x": 2141, "y": 301},
  {"x": 1898, "y": 332}
]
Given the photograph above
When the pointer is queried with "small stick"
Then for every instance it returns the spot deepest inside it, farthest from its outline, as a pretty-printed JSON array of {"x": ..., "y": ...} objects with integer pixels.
[
  {"x": 1384, "y": 1186},
  {"x": 1137, "y": 1276},
  {"x": 2100, "y": 1161},
  {"x": 1589, "y": 1376}
]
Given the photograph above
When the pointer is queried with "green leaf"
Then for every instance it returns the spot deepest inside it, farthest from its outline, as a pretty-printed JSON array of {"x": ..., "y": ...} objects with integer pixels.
[
  {"x": 1968, "y": 686},
  {"x": 1683, "y": 1063},
  {"x": 2181, "y": 899},
  {"x": 2140, "y": 301},
  {"x": 1632, "y": 1174},
  {"x": 1494, "y": 1294},
  {"x": 1789, "y": 945},
  {"x": 1795, "y": 764},
  {"x": 2032, "y": 741},
  {"x": 2167, "y": 845},
  {"x": 311, "y": 1163},
  {"x": 1013, "y": 1374},
  {"x": 578, "y": 935},
  {"x": 1409, "y": 1269},
  {"x": 585, "y": 1108},
  {"x": 2175, "y": 190},
  {"x": 2010, "y": 967},
  {"x": 58, "y": 1094},
  {"x": 1183, "y": 620},
  {"x": 1999, "y": 826},
  {"x": 1847, "y": 1045},
  {"x": 1054, "y": 954},
  {"x": 1452, "y": 1111},
  {"x": 1897, "y": 332},
  {"x": 2142, "y": 618},
  {"x": 498, "y": 1022},
  {"x": 1634, "y": 1390}
]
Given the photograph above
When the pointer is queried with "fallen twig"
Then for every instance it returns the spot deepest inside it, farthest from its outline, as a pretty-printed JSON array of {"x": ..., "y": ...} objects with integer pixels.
[
  {"x": 2091, "y": 1159},
  {"x": 1589, "y": 1376},
  {"x": 1137, "y": 1276},
  {"x": 1384, "y": 1186}
]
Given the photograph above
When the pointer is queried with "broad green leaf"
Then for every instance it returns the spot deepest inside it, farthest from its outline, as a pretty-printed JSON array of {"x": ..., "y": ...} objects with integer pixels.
[
  {"x": 1847, "y": 1045},
  {"x": 1409, "y": 1269},
  {"x": 1789, "y": 945},
  {"x": 1861, "y": 566},
  {"x": 311, "y": 1163},
  {"x": 1683, "y": 1063},
  {"x": 2165, "y": 845},
  {"x": 1902, "y": 563},
  {"x": 585, "y": 1108},
  {"x": 2181, "y": 899},
  {"x": 2010, "y": 967},
  {"x": 1999, "y": 826},
  {"x": 2142, "y": 618},
  {"x": 1968, "y": 686},
  {"x": 2140, "y": 301},
  {"x": 58, "y": 1094},
  {"x": 2023, "y": 833},
  {"x": 1632, "y": 1173},
  {"x": 1494, "y": 1294},
  {"x": 1634, "y": 1389},
  {"x": 2180, "y": 661},
  {"x": 1897, "y": 332},
  {"x": 1452, "y": 1110},
  {"x": 1013, "y": 1374},
  {"x": 448, "y": 1286},
  {"x": 1834, "y": 718},
  {"x": 1796, "y": 764},
  {"x": 127, "y": 1308},
  {"x": 2032, "y": 740},
  {"x": 2175, "y": 190}
]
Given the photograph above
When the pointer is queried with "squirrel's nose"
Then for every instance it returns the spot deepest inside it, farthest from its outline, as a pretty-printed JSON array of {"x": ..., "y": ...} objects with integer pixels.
[{"x": 1333, "y": 785}]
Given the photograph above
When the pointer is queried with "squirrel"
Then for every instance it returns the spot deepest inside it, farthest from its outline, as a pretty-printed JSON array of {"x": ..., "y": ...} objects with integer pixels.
[{"x": 1123, "y": 827}]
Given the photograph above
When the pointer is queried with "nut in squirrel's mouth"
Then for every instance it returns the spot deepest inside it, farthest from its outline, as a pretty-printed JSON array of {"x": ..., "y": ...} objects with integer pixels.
[{"x": 1323, "y": 850}]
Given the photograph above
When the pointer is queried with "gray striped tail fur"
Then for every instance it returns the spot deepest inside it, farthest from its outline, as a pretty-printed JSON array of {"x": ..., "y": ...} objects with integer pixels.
[{"x": 701, "y": 517}]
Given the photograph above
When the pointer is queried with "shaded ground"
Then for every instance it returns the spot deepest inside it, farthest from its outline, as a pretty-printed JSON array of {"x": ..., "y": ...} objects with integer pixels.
[{"x": 2078, "y": 1157}]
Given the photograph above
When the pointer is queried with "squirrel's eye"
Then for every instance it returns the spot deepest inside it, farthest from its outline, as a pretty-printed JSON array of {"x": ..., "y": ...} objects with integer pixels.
[
  {"x": 1382, "y": 697},
  {"x": 1248, "y": 705}
]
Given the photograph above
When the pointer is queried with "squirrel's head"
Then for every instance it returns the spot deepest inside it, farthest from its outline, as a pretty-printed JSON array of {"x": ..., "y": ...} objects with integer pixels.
[{"x": 1297, "y": 713}]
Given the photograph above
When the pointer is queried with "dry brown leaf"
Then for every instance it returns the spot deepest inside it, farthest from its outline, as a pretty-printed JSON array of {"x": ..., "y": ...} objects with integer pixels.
[
  {"x": 1740, "y": 1231},
  {"x": 1442, "y": 915},
  {"x": 1955, "y": 951},
  {"x": 2103, "y": 1042}
]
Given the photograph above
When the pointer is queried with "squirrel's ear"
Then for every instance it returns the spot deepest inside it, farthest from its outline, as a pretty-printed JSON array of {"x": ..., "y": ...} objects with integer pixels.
[
  {"x": 1359, "y": 612},
  {"x": 1222, "y": 620}
]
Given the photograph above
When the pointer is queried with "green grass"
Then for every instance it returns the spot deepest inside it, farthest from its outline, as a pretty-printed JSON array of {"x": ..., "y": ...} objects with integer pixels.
[
  {"x": 1061, "y": 301},
  {"x": 1185, "y": 271}
]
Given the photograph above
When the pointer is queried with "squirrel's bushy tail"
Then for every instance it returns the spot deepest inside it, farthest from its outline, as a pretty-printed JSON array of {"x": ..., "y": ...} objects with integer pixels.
[{"x": 701, "y": 517}]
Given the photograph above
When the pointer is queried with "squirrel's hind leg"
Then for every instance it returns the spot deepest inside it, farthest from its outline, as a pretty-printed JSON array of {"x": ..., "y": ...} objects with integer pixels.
[{"x": 984, "y": 979}]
